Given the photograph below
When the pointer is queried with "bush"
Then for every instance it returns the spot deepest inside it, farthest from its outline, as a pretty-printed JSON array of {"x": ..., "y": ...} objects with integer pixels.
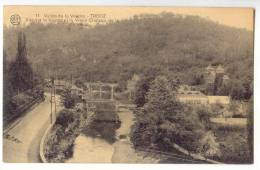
[
  {"x": 60, "y": 141},
  {"x": 68, "y": 99},
  {"x": 204, "y": 116},
  {"x": 21, "y": 99},
  {"x": 210, "y": 147},
  {"x": 66, "y": 117}
]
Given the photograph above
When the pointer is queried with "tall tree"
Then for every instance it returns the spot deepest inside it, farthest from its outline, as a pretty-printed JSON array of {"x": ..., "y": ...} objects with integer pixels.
[
  {"x": 21, "y": 74},
  {"x": 163, "y": 121},
  {"x": 143, "y": 85}
]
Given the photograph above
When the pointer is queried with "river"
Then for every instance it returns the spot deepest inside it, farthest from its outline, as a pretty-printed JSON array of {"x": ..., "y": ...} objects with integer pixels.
[{"x": 101, "y": 145}]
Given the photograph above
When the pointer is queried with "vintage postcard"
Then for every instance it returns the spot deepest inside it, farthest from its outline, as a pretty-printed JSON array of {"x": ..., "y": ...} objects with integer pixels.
[{"x": 119, "y": 84}]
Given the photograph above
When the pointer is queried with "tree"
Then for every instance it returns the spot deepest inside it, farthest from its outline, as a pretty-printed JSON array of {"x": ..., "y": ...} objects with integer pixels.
[
  {"x": 161, "y": 98},
  {"x": 237, "y": 91},
  {"x": 66, "y": 117},
  {"x": 163, "y": 121},
  {"x": 248, "y": 87},
  {"x": 250, "y": 127},
  {"x": 69, "y": 100},
  {"x": 80, "y": 83},
  {"x": 143, "y": 85},
  {"x": 197, "y": 79},
  {"x": 224, "y": 89},
  {"x": 7, "y": 85},
  {"x": 21, "y": 74},
  {"x": 204, "y": 116}
]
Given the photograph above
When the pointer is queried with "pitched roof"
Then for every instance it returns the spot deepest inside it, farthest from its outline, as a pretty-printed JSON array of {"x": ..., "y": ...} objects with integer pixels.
[{"x": 190, "y": 93}]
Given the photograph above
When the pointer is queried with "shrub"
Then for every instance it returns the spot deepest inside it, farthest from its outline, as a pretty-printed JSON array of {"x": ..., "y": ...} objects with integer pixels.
[
  {"x": 68, "y": 99},
  {"x": 60, "y": 141},
  {"x": 210, "y": 147},
  {"x": 204, "y": 116},
  {"x": 66, "y": 117}
]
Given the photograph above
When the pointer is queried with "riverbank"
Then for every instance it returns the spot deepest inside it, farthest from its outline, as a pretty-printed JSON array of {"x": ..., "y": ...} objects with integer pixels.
[
  {"x": 96, "y": 149},
  {"x": 123, "y": 149}
]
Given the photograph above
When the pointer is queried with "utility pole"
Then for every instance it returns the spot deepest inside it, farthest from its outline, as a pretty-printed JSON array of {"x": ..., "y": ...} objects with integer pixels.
[
  {"x": 100, "y": 91},
  {"x": 55, "y": 107},
  {"x": 53, "y": 100},
  {"x": 112, "y": 92},
  {"x": 71, "y": 80}
]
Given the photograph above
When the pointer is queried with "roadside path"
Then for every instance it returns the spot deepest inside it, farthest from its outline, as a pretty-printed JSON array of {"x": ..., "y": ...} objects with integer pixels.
[{"x": 21, "y": 142}]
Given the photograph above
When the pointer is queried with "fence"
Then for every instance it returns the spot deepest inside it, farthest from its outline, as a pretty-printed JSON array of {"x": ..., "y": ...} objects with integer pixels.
[{"x": 20, "y": 111}]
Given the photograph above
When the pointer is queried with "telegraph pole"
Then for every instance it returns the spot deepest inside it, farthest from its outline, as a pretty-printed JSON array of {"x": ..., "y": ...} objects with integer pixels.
[
  {"x": 53, "y": 100},
  {"x": 52, "y": 83}
]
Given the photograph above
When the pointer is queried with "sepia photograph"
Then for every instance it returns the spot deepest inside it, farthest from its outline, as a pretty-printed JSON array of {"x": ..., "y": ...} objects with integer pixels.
[{"x": 128, "y": 84}]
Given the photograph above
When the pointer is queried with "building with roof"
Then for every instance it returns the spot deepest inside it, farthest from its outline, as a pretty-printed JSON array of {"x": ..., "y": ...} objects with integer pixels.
[
  {"x": 188, "y": 96},
  {"x": 192, "y": 97},
  {"x": 224, "y": 100}
]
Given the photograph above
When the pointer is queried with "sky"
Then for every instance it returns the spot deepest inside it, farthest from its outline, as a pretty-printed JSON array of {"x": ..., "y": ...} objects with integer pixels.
[{"x": 235, "y": 17}]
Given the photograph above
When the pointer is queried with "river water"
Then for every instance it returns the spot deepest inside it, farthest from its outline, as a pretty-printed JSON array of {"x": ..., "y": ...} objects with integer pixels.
[
  {"x": 101, "y": 145},
  {"x": 98, "y": 145}
]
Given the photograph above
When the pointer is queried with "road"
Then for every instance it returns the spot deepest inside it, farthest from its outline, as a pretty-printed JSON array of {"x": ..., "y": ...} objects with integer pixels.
[{"x": 22, "y": 141}]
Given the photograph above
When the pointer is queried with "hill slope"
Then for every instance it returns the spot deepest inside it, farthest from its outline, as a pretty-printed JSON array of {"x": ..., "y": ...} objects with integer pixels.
[{"x": 186, "y": 44}]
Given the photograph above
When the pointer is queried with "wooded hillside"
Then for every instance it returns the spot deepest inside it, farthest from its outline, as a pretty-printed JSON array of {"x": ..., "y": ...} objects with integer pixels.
[{"x": 183, "y": 44}]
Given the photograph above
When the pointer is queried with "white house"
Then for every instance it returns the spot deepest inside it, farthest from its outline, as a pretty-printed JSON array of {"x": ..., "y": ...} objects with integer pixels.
[{"x": 224, "y": 100}]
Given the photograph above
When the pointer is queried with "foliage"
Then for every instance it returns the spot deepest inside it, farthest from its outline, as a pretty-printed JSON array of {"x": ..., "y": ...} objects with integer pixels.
[
  {"x": 237, "y": 91},
  {"x": 233, "y": 144},
  {"x": 197, "y": 79},
  {"x": 60, "y": 141},
  {"x": 250, "y": 128},
  {"x": 122, "y": 82},
  {"x": 21, "y": 87},
  {"x": 163, "y": 121},
  {"x": 80, "y": 84},
  {"x": 66, "y": 117},
  {"x": 21, "y": 75},
  {"x": 183, "y": 45},
  {"x": 204, "y": 116},
  {"x": 224, "y": 89},
  {"x": 210, "y": 145},
  {"x": 68, "y": 99},
  {"x": 143, "y": 85}
]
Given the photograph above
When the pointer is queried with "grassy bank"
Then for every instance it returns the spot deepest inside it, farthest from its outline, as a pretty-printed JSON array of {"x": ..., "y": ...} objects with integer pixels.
[
  {"x": 233, "y": 142},
  {"x": 59, "y": 142}
]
